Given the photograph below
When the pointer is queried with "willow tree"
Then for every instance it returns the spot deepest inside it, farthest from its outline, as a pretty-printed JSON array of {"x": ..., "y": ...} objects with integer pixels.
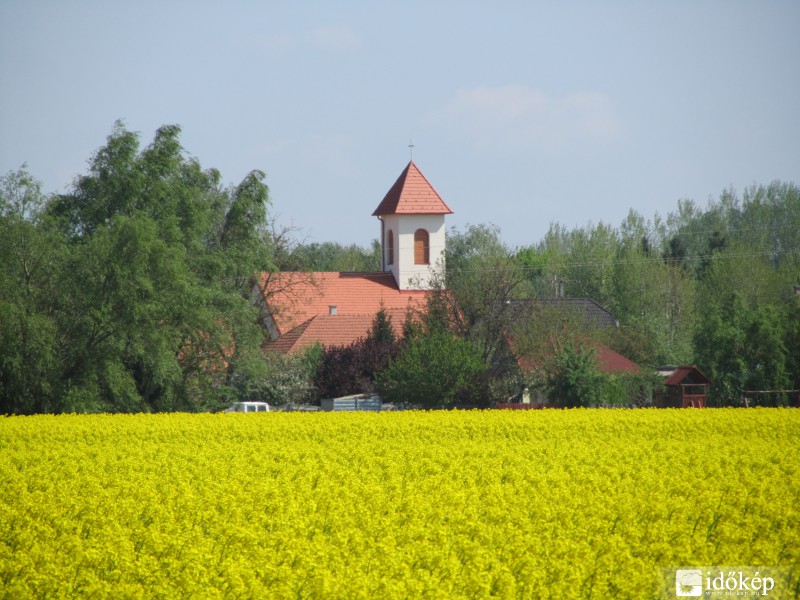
[{"x": 147, "y": 300}]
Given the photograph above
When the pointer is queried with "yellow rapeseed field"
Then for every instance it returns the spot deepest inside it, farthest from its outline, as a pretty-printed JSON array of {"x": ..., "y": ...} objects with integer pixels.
[{"x": 508, "y": 504}]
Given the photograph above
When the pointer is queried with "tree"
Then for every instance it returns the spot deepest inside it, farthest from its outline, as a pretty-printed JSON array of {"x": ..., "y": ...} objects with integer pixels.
[
  {"x": 592, "y": 253},
  {"x": 653, "y": 299},
  {"x": 32, "y": 255},
  {"x": 145, "y": 302},
  {"x": 482, "y": 276},
  {"x": 574, "y": 379},
  {"x": 352, "y": 369},
  {"x": 381, "y": 330},
  {"x": 288, "y": 379},
  {"x": 741, "y": 348},
  {"x": 329, "y": 256},
  {"x": 792, "y": 343},
  {"x": 432, "y": 371}
]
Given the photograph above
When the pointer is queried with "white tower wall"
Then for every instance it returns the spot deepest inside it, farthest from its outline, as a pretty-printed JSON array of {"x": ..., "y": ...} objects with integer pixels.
[{"x": 407, "y": 274}]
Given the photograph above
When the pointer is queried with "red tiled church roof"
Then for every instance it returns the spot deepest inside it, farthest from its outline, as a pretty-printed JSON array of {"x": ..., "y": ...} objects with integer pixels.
[
  {"x": 331, "y": 330},
  {"x": 294, "y": 298},
  {"x": 411, "y": 194}
]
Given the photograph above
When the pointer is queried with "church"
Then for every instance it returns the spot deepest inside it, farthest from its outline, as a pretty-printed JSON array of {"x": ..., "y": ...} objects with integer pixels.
[{"x": 301, "y": 309}]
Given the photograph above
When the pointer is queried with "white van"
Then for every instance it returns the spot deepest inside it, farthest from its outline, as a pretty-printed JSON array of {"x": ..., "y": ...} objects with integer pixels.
[{"x": 249, "y": 407}]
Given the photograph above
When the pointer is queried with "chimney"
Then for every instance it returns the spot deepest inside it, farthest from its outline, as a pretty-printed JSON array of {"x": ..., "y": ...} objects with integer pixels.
[{"x": 331, "y": 310}]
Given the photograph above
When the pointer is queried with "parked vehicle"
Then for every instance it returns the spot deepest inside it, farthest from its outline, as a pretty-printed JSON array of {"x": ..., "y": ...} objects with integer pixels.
[
  {"x": 370, "y": 402},
  {"x": 248, "y": 407}
]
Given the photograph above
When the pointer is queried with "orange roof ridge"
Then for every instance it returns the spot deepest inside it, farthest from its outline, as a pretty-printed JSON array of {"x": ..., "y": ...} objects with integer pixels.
[{"x": 412, "y": 194}]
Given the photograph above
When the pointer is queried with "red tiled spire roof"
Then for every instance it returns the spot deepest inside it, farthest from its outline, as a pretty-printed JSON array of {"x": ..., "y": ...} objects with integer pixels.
[{"x": 411, "y": 194}]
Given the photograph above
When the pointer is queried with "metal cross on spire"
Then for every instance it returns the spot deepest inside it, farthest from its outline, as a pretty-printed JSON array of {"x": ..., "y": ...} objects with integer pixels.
[{"x": 411, "y": 149}]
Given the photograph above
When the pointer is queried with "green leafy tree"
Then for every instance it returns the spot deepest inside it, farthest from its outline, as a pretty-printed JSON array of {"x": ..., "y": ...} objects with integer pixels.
[
  {"x": 432, "y": 371},
  {"x": 574, "y": 379},
  {"x": 592, "y": 254},
  {"x": 288, "y": 379},
  {"x": 328, "y": 256},
  {"x": 381, "y": 330},
  {"x": 792, "y": 344},
  {"x": 654, "y": 300},
  {"x": 482, "y": 276},
  {"x": 145, "y": 301},
  {"x": 32, "y": 255},
  {"x": 742, "y": 347}
]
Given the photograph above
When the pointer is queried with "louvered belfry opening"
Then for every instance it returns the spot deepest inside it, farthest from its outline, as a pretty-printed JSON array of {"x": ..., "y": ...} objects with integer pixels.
[{"x": 421, "y": 247}]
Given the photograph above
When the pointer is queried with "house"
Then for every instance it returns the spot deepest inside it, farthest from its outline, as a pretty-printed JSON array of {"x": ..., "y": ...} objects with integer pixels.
[
  {"x": 548, "y": 320},
  {"x": 684, "y": 386},
  {"x": 299, "y": 310},
  {"x": 579, "y": 318},
  {"x": 577, "y": 314}
]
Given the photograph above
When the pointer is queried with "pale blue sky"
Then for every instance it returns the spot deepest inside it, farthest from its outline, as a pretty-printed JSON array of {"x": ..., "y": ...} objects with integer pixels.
[{"x": 522, "y": 113}]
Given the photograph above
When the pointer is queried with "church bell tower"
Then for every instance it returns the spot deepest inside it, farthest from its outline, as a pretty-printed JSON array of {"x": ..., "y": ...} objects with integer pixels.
[{"x": 412, "y": 230}]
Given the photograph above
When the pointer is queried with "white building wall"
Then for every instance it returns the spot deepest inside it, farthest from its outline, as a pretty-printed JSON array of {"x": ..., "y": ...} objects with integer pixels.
[{"x": 408, "y": 275}]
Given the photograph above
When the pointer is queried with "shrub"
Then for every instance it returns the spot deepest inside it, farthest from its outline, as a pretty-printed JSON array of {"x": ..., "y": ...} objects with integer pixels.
[
  {"x": 574, "y": 379},
  {"x": 433, "y": 370}
]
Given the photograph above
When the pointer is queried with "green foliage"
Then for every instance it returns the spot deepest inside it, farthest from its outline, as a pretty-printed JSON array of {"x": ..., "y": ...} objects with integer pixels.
[
  {"x": 129, "y": 292},
  {"x": 381, "y": 330},
  {"x": 741, "y": 347},
  {"x": 288, "y": 379},
  {"x": 481, "y": 277},
  {"x": 32, "y": 255},
  {"x": 328, "y": 256},
  {"x": 412, "y": 326},
  {"x": 747, "y": 321},
  {"x": 627, "y": 389},
  {"x": 574, "y": 379},
  {"x": 433, "y": 370},
  {"x": 655, "y": 301}
]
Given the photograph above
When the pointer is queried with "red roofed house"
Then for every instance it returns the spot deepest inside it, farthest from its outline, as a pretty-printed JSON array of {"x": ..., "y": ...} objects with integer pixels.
[
  {"x": 608, "y": 361},
  {"x": 566, "y": 314},
  {"x": 302, "y": 309},
  {"x": 684, "y": 386}
]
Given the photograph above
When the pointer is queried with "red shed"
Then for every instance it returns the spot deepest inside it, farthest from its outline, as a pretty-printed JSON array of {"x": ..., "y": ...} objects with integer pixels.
[{"x": 685, "y": 386}]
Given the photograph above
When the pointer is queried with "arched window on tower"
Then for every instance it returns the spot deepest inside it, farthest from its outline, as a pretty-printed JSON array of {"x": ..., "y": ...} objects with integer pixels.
[
  {"x": 422, "y": 254},
  {"x": 390, "y": 248}
]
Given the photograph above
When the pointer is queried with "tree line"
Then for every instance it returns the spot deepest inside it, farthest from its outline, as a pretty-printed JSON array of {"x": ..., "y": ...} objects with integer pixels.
[
  {"x": 716, "y": 287},
  {"x": 130, "y": 292}
]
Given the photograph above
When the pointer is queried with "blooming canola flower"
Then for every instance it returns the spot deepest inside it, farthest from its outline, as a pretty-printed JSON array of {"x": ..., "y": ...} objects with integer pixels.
[{"x": 455, "y": 504}]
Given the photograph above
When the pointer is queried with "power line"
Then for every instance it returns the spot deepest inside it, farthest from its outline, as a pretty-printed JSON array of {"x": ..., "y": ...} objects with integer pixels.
[{"x": 569, "y": 264}]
